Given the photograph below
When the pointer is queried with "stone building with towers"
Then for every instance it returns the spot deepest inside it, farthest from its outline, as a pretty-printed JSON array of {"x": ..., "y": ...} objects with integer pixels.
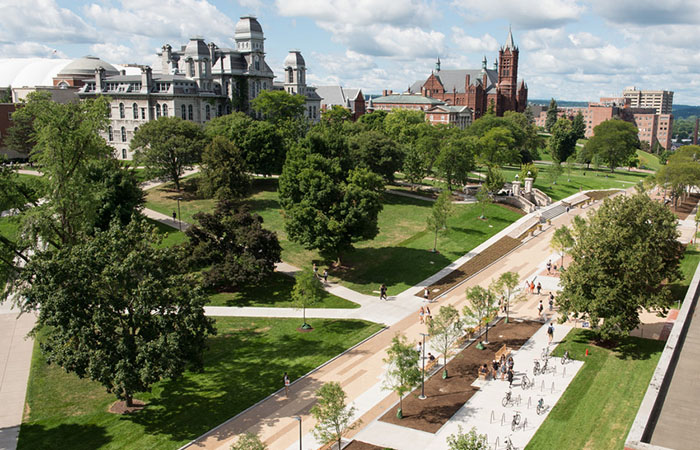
[
  {"x": 295, "y": 84},
  {"x": 197, "y": 82},
  {"x": 479, "y": 89}
]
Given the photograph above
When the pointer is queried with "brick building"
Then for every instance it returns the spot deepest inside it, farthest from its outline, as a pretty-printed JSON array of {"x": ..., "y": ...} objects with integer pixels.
[
  {"x": 479, "y": 89},
  {"x": 436, "y": 111}
]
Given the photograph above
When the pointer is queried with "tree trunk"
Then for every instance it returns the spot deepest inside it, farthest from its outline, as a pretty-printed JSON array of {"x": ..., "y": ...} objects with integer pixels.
[
  {"x": 435, "y": 242},
  {"x": 129, "y": 399}
]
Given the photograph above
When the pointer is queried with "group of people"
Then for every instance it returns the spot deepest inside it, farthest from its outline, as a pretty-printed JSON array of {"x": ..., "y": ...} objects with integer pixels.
[
  {"x": 323, "y": 276},
  {"x": 502, "y": 368},
  {"x": 530, "y": 287},
  {"x": 550, "y": 267},
  {"x": 424, "y": 315}
]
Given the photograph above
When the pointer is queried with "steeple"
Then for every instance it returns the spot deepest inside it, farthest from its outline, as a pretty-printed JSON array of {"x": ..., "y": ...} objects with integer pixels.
[
  {"x": 510, "y": 44},
  {"x": 437, "y": 65},
  {"x": 483, "y": 63}
]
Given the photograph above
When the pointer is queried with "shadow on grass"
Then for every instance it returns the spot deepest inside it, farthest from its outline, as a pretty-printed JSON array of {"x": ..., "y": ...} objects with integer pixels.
[
  {"x": 263, "y": 184},
  {"x": 630, "y": 347},
  {"x": 69, "y": 436}
]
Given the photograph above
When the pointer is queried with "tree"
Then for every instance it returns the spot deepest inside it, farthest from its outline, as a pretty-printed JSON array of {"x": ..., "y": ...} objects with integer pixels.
[
  {"x": 445, "y": 329},
  {"x": 403, "y": 373},
  {"x": 552, "y": 115},
  {"x": 529, "y": 171},
  {"x": 279, "y": 106},
  {"x": 529, "y": 114},
  {"x": 328, "y": 205},
  {"x": 614, "y": 141},
  {"x": 259, "y": 141},
  {"x": 456, "y": 159},
  {"x": 413, "y": 165},
  {"x": 484, "y": 199},
  {"x": 494, "y": 180},
  {"x": 333, "y": 417},
  {"x": 376, "y": 152},
  {"x": 498, "y": 148},
  {"x": 116, "y": 309},
  {"x": 117, "y": 192},
  {"x": 562, "y": 241},
  {"x": 231, "y": 247},
  {"x": 554, "y": 171},
  {"x": 21, "y": 136},
  {"x": 441, "y": 211},
  {"x": 223, "y": 171},
  {"x": 307, "y": 291},
  {"x": 570, "y": 165},
  {"x": 168, "y": 146},
  {"x": 468, "y": 441},
  {"x": 623, "y": 259},
  {"x": 374, "y": 120},
  {"x": 505, "y": 285},
  {"x": 562, "y": 142},
  {"x": 578, "y": 126},
  {"x": 249, "y": 441},
  {"x": 403, "y": 125},
  {"x": 480, "y": 307},
  {"x": 6, "y": 95},
  {"x": 336, "y": 115}
]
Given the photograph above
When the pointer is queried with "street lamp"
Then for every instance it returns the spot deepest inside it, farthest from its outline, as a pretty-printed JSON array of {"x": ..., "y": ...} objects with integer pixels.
[
  {"x": 179, "y": 217},
  {"x": 299, "y": 419},
  {"x": 422, "y": 382}
]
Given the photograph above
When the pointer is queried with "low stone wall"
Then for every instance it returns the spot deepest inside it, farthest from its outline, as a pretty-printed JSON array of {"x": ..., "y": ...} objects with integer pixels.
[{"x": 518, "y": 202}]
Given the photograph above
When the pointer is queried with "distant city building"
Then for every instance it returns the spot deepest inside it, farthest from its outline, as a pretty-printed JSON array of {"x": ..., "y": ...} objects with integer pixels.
[
  {"x": 661, "y": 101},
  {"x": 436, "y": 111},
  {"x": 479, "y": 88},
  {"x": 349, "y": 98}
]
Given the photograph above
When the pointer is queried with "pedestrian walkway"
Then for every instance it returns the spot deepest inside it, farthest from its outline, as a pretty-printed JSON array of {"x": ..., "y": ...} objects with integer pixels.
[
  {"x": 150, "y": 184},
  {"x": 166, "y": 220}
]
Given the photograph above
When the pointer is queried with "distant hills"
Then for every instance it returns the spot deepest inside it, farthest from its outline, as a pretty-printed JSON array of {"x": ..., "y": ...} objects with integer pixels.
[
  {"x": 679, "y": 111},
  {"x": 562, "y": 103}
]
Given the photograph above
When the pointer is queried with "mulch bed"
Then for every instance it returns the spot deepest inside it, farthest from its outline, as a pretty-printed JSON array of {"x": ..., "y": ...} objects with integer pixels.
[
  {"x": 359, "y": 445},
  {"x": 446, "y": 397},
  {"x": 119, "y": 407},
  {"x": 599, "y": 195},
  {"x": 684, "y": 209},
  {"x": 479, "y": 262}
]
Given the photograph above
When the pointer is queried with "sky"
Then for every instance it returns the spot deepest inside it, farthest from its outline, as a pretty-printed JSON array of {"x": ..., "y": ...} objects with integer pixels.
[{"x": 569, "y": 49}]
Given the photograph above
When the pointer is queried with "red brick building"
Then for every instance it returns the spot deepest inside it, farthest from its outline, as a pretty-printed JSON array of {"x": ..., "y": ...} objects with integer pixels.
[{"x": 479, "y": 89}]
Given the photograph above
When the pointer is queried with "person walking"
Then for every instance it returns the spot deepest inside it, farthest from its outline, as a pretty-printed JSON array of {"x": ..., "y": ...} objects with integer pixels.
[
  {"x": 549, "y": 266},
  {"x": 510, "y": 377},
  {"x": 421, "y": 312},
  {"x": 315, "y": 269},
  {"x": 540, "y": 308},
  {"x": 285, "y": 380},
  {"x": 539, "y": 288},
  {"x": 428, "y": 314},
  {"x": 426, "y": 294},
  {"x": 551, "y": 301},
  {"x": 382, "y": 292},
  {"x": 550, "y": 332}
]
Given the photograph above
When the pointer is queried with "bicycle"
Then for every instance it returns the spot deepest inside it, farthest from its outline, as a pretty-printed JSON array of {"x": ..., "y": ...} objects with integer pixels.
[
  {"x": 565, "y": 358},
  {"x": 541, "y": 408},
  {"x": 516, "y": 421},
  {"x": 508, "y": 399},
  {"x": 536, "y": 369},
  {"x": 545, "y": 353},
  {"x": 509, "y": 443},
  {"x": 526, "y": 382}
]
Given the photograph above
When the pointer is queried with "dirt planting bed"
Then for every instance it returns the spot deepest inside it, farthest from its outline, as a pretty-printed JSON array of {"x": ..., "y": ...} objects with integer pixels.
[
  {"x": 359, "y": 445},
  {"x": 445, "y": 397},
  {"x": 599, "y": 195}
]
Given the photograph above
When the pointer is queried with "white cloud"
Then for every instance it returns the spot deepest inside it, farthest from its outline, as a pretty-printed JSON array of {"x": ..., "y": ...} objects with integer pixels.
[
  {"x": 42, "y": 20},
  {"x": 523, "y": 14},
  {"x": 471, "y": 44},
  {"x": 28, "y": 50},
  {"x": 648, "y": 12},
  {"x": 584, "y": 39}
]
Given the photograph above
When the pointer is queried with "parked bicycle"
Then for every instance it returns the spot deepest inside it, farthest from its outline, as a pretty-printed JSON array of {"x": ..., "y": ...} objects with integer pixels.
[
  {"x": 508, "y": 400},
  {"x": 540, "y": 369},
  {"x": 541, "y": 408},
  {"x": 509, "y": 443},
  {"x": 516, "y": 421},
  {"x": 545, "y": 353},
  {"x": 565, "y": 358},
  {"x": 526, "y": 382}
]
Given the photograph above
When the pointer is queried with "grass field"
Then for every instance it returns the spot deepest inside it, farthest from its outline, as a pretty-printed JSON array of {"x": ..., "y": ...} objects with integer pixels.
[
  {"x": 399, "y": 256},
  {"x": 599, "y": 406},
  {"x": 171, "y": 236},
  {"x": 689, "y": 264},
  {"x": 648, "y": 160},
  {"x": 244, "y": 364}
]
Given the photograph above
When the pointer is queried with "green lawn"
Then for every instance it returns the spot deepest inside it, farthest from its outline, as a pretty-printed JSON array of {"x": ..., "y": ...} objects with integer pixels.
[
  {"x": 689, "y": 263},
  {"x": 171, "y": 236},
  {"x": 244, "y": 364},
  {"x": 648, "y": 160},
  {"x": 599, "y": 406},
  {"x": 399, "y": 256},
  {"x": 9, "y": 228},
  {"x": 274, "y": 291}
]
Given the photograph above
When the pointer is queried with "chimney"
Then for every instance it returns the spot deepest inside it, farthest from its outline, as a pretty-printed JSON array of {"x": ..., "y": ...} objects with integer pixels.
[
  {"x": 695, "y": 132},
  {"x": 384, "y": 93},
  {"x": 166, "y": 58},
  {"x": 122, "y": 72},
  {"x": 146, "y": 79},
  {"x": 467, "y": 82},
  {"x": 99, "y": 76}
]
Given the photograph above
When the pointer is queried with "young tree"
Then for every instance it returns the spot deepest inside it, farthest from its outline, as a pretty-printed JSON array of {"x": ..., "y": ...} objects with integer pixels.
[
  {"x": 231, "y": 247},
  {"x": 554, "y": 171},
  {"x": 224, "y": 174},
  {"x": 441, "y": 211},
  {"x": 529, "y": 171},
  {"x": 467, "y": 441},
  {"x": 168, "y": 146},
  {"x": 614, "y": 141},
  {"x": 552, "y": 115},
  {"x": 484, "y": 199},
  {"x": 403, "y": 373},
  {"x": 248, "y": 441},
  {"x": 623, "y": 259},
  {"x": 578, "y": 126},
  {"x": 562, "y": 241},
  {"x": 445, "y": 329},
  {"x": 494, "y": 180},
  {"x": 307, "y": 291},
  {"x": 279, "y": 106},
  {"x": 333, "y": 417},
  {"x": 456, "y": 159},
  {"x": 505, "y": 285},
  {"x": 116, "y": 309},
  {"x": 562, "y": 142},
  {"x": 480, "y": 307}
]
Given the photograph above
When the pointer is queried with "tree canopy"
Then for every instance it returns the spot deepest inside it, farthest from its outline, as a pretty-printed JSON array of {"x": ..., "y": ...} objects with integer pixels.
[
  {"x": 614, "y": 142},
  {"x": 624, "y": 256},
  {"x": 279, "y": 106},
  {"x": 562, "y": 143},
  {"x": 333, "y": 417},
  {"x": 403, "y": 373},
  {"x": 552, "y": 115},
  {"x": 223, "y": 171}
]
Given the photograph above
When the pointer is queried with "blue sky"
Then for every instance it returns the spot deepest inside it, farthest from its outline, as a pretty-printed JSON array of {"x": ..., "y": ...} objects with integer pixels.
[{"x": 569, "y": 49}]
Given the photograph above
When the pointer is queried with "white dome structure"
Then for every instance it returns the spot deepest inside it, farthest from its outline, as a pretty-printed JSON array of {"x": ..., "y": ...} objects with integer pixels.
[
  {"x": 294, "y": 60},
  {"x": 29, "y": 72},
  {"x": 86, "y": 66}
]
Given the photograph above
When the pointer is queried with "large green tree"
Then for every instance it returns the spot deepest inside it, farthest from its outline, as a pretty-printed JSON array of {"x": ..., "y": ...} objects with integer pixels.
[
  {"x": 223, "y": 170},
  {"x": 404, "y": 125},
  {"x": 562, "y": 143},
  {"x": 376, "y": 152},
  {"x": 552, "y": 115},
  {"x": 118, "y": 194},
  {"x": 21, "y": 135},
  {"x": 614, "y": 142},
  {"x": 456, "y": 159},
  {"x": 403, "y": 373},
  {"x": 578, "y": 125},
  {"x": 232, "y": 247},
  {"x": 333, "y": 417},
  {"x": 116, "y": 309},
  {"x": 168, "y": 146},
  {"x": 279, "y": 106},
  {"x": 497, "y": 148},
  {"x": 624, "y": 257}
]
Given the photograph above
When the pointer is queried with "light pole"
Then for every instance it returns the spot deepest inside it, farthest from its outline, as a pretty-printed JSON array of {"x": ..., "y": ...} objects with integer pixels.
[
  {"x": 299, "y": 419},
  {"x": 422, "y": 382},
  {"x": 179, "y": 217}
]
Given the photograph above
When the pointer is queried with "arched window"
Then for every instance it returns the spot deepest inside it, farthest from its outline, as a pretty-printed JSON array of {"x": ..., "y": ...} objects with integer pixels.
[
  {"x": 121, "y": 111},
  {"x": 111, "y": 134},
  {"x": 183, "y": 108},
  {"x": 136, "y": 129},
  {"x": 123, "y": 153},
  {"x": 135, "y": 108},
  {"x": 190, "y": 112},
  {"x": 165, "y": 110},
  {"x": 207, "y": 110},
  {"x": 190, "y": 68},
  {"x": 219, "y": 110},
  {"x": 123, "y": 134},
  {"x": 291, "y": 76},
  {"x": 157, "y": 110}
]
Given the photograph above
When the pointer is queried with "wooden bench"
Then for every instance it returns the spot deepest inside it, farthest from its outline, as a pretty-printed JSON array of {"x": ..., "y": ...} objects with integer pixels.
[
  {"x": 482, "y": 375},
  {"x": 430, "y": 365},
  {"x": 503, "y": 351}
]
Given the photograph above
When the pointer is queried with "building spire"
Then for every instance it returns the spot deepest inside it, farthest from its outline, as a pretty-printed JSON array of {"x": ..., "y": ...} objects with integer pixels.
[
  {"x": 510, "y": 44},
  {"x": 437, "y": 65}
]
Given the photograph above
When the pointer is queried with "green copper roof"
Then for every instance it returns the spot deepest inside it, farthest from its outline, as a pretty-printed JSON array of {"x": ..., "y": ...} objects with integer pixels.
[{"x": 407, "y": 99}]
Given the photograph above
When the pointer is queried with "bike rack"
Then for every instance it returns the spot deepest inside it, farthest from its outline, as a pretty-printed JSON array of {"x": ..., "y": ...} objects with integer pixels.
[
  {"x": 555, "y": 370},
  {"x": 542, "y": 387},
  {"x": 496, "y": 443},
  {"x": 529, "y": 402},
  {"x": 493, "y": 416},
  {"x": 503, "y": 419},
  {"x": 519, "y": 400},
  {"x": 563, "y": 373},
  {"x": 522, "y": 427},
  {"x": 552, "y": 386}
]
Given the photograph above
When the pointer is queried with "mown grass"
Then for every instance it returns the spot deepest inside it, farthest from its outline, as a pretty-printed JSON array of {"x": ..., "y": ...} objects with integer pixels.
[
  {"x": 688, "y": 265},
  {"x": 243, "y": 364},
  {"x": 599, "y": 406},
  {"x": 648, "y": 160}
]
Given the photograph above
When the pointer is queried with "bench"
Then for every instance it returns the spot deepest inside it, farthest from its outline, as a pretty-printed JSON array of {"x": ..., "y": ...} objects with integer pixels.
[
  {"x": 430, "y": 365},
  {"x": 503, "y": 351},
  {"x": 482, "y": 375}
]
